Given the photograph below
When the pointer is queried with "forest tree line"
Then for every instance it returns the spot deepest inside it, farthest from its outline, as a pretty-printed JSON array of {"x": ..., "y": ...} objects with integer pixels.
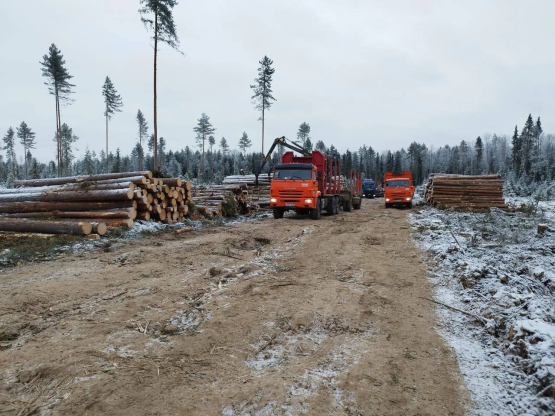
[{"x": 526, "y": 160}]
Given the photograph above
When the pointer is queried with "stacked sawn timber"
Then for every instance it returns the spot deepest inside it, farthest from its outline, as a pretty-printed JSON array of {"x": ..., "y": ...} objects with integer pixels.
[
  {"x": 90, "y": 204},
  {"x": 464, "y": 191}
]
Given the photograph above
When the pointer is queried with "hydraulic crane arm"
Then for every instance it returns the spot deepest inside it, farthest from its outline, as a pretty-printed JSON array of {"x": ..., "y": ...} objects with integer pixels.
[{"x": 280, "y": 141}]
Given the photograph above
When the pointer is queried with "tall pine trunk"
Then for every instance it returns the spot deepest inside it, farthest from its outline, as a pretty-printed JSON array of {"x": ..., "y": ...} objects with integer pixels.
[
  {"x": 202, "y": 160},
  {"x": 107, "y": 171},
  {"x": 155, "y": 114},
  {"x": 59, "y": 135},
  {"x": 26, "y": 169},
  {"x": 262, "y": 129}
]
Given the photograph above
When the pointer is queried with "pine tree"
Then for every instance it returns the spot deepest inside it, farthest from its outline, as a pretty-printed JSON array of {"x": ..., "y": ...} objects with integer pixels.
[
  {"x": 479, "y": 149},
  {"x": 9, "y": 146},
  {"x": 157, "y": 16},
  {"x": 211, "y": 142},
  {"x": 112, "y": 103},
  {"x": 262, "y": 90},
  {"x": 244, "y": 142},
  {"x": 203, "y": 129},
  {"x": 27, "y": 139},
  {"x": 58, "y": 78},
  {"x": 225, "y": 148},
  {"x": 304, "y": 134},
  {"x": 143, "y": 131}
]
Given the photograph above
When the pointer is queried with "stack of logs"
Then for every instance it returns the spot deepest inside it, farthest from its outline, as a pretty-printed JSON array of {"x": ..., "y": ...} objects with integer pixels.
[
  {"x": 256, "y": 195},
  {"x": 463, "y": 191},
  {"x": 91, "y": 204},
  {"x": 209, "y": 199}
]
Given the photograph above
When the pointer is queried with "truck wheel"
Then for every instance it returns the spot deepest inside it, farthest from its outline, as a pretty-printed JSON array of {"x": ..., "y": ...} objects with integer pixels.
[
  {"x": 330, "y": 206},
  {"x": 278, "y": 213},
  {"x": 387, "y": 205},
  {"x": 349, "y": 206},
  {"x": 409, "y": 205},
  {"x": 336, "y": 205},
  {"x": 316, "y": 213}
]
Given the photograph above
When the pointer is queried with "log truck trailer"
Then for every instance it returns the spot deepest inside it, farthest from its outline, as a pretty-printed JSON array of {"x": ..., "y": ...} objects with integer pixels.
[
  {"x": 310, "y": 183},
  {"x": 399, "y": 189}
]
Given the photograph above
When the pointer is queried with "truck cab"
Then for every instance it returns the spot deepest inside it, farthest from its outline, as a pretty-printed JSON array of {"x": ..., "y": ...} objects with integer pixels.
[
  {"x": 294, "y": 187},
  {"x": 398, "y": 189},
  {"x": 369, "y": 188},
  {"x": 311, "y": 183}
]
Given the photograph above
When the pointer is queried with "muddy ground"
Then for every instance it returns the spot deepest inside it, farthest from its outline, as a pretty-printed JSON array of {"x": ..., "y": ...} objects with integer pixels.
[{"x": 270, "y": 317}]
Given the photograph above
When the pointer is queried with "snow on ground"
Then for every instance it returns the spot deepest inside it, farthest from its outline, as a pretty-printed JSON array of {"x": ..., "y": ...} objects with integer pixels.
[{"x": 500, "y": 267}]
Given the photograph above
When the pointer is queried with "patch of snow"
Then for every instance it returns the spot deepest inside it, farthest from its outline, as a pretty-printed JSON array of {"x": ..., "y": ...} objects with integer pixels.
[{"x": 497, "y": 266}]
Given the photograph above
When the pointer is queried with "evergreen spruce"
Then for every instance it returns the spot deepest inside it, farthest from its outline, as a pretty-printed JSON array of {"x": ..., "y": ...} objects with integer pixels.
[
  {"x": 321, "y": 146},
  {"x": 27, "y": 139},
  {"x": 262, "y": 90},
  {"x": 516, "y": 152},
  {"x": 58, "y": 78},
  {"x": 157, "y": 16},
  {"x": 112, "y": 103},
  {"x": 116, "y": 166},
  {"x": 479, "y": 149}
]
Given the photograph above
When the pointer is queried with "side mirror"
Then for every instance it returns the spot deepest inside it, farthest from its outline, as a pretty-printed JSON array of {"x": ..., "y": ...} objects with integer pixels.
[{"x": 318, "y": 176}]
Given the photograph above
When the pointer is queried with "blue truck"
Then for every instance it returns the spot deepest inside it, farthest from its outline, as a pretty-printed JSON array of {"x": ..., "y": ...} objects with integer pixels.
[{"x": 369, "y": 188}]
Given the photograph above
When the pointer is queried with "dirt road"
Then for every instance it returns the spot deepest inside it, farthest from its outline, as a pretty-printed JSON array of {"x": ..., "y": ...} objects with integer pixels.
[{"x": 270, "y": 317}]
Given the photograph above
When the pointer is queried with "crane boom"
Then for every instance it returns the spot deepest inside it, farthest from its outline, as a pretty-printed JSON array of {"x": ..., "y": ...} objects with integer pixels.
[{"x": 282, "y": 141}]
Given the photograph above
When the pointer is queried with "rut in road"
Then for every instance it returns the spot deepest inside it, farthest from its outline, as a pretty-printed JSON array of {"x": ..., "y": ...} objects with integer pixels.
[{"x": 288, "y": 316}]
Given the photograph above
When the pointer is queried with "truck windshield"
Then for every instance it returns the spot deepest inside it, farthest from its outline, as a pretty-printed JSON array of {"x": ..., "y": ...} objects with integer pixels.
[
  {"x": 403, "y": 183},
  {"x": 304, "y": 174}
]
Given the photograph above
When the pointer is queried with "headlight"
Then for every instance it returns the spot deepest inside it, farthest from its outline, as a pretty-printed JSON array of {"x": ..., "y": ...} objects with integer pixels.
[
  {"x": 308, "y": 201},
  {"x": 408, "y": 199},
  {"x": 274, "y": 200},
  {"x": 386, "y": 199}
]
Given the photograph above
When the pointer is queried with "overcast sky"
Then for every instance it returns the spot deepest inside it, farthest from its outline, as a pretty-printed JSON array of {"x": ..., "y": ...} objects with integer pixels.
[{"x": 380, "y": 73}]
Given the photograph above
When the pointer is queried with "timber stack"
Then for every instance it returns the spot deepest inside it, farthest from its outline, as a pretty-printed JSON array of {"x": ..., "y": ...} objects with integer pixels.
[
  {"x": 92, "y": 204},
  {"x": 211, "y": 199},
  {"x": 256, "y": 195},
  {"x": 465, "y": 191}
]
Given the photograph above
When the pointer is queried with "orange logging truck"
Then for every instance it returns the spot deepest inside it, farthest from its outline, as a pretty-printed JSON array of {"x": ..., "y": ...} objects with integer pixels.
[
  {"x": 398, "y": 189},
  {"x": 310, "y": 183}
]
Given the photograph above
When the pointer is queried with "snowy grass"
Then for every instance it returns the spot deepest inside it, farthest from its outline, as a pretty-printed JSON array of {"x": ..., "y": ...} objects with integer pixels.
[{"x": 498, "y": 266}]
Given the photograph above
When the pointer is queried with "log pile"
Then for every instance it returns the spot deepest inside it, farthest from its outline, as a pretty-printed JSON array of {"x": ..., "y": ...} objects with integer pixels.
[
  {"x": 257, "y": 196},
  {"x": 464, "y": 191},
  {"x": 210, "y": 200},
  {"x": 91, "y": 204}
]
